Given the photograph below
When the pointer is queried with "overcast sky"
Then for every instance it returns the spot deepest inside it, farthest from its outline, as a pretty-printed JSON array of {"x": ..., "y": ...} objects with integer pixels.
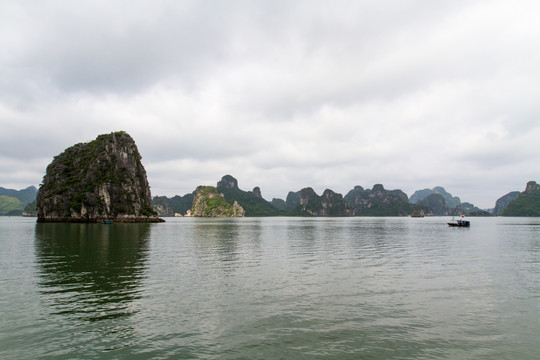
[{"x": 279, "y": 94}]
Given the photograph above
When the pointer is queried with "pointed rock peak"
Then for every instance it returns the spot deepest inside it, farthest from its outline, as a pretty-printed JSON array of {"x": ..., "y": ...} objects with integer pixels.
[
  {"x": 257, "y": 192},
  {"x": 400, "y": 194},
  {"x": 532, "y": 186},
  {"x": 228, "y": 182},
  {"x": 378, "y": 187},
  {"x": 328, "y": 193},
  {"x": 308, "y": 191},
  {"x": 439, "y": 189},
  {"x": 358, "y": 188},
  {"x": 293, "y": 199}
]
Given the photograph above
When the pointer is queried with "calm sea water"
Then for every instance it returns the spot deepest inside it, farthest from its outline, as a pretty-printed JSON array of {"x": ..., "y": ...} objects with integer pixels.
[{"x": 271, "y": 288}]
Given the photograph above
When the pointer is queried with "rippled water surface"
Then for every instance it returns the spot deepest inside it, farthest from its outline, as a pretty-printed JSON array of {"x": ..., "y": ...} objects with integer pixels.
[{"x": 271, "y": 288}]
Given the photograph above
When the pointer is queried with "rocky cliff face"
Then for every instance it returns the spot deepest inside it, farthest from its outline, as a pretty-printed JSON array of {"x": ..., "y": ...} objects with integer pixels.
[
  {"x": 101, "y": 179},
  {"x": 228, "y": 182},
  {"x": 310, "y": 202},
  {"x": 532, "y": 186},
  {"x": 292, "y": 200},
  {"x": 307, "y": 202},
  {"x": 161, "y": 205},
  {"x": 257, "y": 192},
  {"x": 208, "y": 202},
  {"x": 251, "y": 201},
  {"x": 333, "y": 204},
  {"x": 503, "y": 202},
  {"x": 437, "y": 204},
  {"x": 170, "y": 206},
  {"x": 381, "y": 202},
  {"x": 526, "y": 203},
  {"x": 468, "y": 209},
  {"x": 419, "y": 195},
  {"x": 279, "y": 204}
]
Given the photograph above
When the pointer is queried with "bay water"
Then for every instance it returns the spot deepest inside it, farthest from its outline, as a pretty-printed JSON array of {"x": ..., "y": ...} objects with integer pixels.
[{"x": 271, "y": 288}]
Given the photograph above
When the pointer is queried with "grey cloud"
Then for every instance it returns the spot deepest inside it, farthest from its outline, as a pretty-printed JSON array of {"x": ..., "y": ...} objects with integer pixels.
[{"x": 126, "y": 46}]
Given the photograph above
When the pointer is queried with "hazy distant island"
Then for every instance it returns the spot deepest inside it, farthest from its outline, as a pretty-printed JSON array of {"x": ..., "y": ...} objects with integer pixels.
[
  {"x": 18, "y": 202},
  {"x": 105, "y": 179}
]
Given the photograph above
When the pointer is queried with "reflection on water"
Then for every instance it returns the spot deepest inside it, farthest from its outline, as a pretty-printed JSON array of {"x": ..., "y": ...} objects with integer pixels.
[
  {"x": 91, "y": 271},
  {"x": 217, "y": 237}
]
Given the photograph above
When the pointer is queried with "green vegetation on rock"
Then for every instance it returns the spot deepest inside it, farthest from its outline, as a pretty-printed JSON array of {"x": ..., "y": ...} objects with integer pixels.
[
  {"x": 526, "y": 204},
  {"x": 181, "y": 204},
  {"x": 307, "y": 203},
  {"x": 208, "y": 202},
  {"x": 26, "y": 196},
  {"x": 10, "y": 205},
  {"x": 358, "y": 202},
  {"x": 250, "y": 202},
  {"x": 436, "y": 203},
  {"x": 279, "y": 204},
  {"x": 470, "y": 210},
  {"x": 254, "y": 206},
  {"x": 450, "y": 201},
  {"x": 381, "y": 202},
  {"x": 170, "y": 206},
  {"x": 30, "y": 209},
  {"x": 503, "y": 202}
]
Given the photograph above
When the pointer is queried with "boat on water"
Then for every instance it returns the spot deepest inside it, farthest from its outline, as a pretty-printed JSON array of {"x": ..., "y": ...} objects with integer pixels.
[
  {"x": 107, "y": 222},
  {"x": 459, "y": 222}
]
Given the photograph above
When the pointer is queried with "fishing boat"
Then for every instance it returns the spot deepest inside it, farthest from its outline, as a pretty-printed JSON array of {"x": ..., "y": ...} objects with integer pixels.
[
  {"x": 107, "y": 222},
  {"x": 459, "y": 222}
]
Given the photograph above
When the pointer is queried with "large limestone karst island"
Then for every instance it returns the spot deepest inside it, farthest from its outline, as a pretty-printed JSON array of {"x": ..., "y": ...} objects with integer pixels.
[{"x": 100, "y": 180}]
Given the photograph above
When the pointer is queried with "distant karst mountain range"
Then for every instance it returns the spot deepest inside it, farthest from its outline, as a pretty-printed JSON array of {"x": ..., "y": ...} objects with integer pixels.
[
  {"x": 306, "y": 202},
  {"x": 105, "y": 179},
  {"x": 377, "y": 201}
]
